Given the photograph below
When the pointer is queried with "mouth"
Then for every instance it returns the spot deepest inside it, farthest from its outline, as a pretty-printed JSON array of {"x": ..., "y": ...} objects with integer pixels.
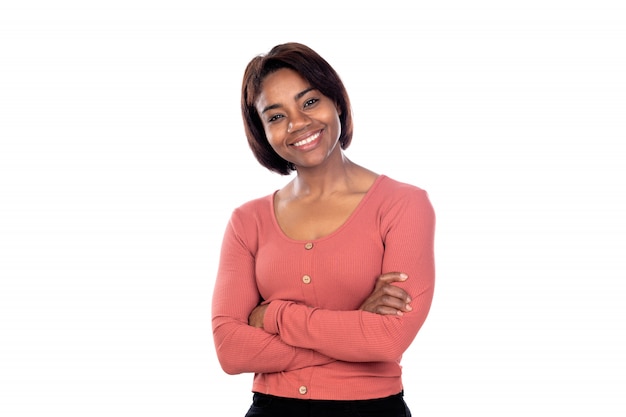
[{"x": 307, "y": 140}]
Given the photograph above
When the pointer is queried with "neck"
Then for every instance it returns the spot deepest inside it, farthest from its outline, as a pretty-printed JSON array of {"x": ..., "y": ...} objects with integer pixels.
[{"x": 324, "y": 180}]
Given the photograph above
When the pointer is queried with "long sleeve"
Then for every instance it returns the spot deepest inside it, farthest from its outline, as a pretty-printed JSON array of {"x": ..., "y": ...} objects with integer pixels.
[
  {"x": 407, "y": 228},
  {"x": 316, "y": 344},
  {"x": 240, "y": 347}
]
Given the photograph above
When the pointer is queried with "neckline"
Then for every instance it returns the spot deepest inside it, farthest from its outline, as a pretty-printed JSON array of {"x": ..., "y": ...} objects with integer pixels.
[{"x": 345, "y": 224}]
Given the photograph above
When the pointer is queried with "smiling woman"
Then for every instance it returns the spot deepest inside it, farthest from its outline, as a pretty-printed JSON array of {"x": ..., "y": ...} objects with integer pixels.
[
  {"x": 323, "y": 284},
  {"x": 314, "y": 72},
  {"x": 301, "y": 124}
]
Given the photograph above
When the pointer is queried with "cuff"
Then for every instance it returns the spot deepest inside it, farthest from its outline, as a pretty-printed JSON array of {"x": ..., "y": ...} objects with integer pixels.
[{"x": 270, "y": 319}]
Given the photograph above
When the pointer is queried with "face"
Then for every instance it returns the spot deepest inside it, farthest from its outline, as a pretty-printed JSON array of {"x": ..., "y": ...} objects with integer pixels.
[{"x": 301, "y": 124}]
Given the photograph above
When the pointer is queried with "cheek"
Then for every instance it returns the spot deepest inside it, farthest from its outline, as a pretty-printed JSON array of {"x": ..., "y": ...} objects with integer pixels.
[
  {"x": 275, "y": 132},
  {"x": 273, "y": 138}
]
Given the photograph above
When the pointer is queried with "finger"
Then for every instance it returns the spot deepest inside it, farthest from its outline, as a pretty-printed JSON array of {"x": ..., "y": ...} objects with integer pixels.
[
  {"x": 397, "y": 292},
  {"x": 390, "y": 277},
  {"x": 388, "y": 311},
  {"x": 395, "y": 303}
]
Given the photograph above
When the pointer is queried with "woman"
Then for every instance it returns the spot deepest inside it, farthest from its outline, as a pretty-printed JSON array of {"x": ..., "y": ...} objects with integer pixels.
[{"x": 323, "y": 284}]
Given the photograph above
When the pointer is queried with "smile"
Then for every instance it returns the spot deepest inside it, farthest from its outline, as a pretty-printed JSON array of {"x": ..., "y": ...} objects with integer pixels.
[{"x": 307, "y": 140}]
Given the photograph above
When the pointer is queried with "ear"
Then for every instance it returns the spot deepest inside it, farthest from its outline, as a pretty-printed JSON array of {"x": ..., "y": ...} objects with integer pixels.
[{"x": 338, "y": 107}]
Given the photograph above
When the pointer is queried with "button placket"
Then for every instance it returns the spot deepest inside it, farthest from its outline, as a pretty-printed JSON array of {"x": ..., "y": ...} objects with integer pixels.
[{"x": 307, "y": 278}]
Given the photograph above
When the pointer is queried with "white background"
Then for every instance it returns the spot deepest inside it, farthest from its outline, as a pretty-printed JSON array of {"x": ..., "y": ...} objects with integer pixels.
[{"x": 122, "y": 154}]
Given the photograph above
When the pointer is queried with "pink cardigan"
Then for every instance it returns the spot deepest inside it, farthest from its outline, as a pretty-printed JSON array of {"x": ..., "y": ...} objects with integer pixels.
[{"x": 316, "y": 344}]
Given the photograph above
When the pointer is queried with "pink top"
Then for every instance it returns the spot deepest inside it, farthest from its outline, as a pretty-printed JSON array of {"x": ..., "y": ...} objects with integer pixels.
[{"x": 316, "y": 344}]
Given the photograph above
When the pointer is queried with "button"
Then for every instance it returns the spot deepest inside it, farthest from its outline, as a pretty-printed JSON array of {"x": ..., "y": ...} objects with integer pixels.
[
  {"x": 302, "y": 390},
  {"x": 306, "y": 279},
  {"x": 308, "y": 246}
]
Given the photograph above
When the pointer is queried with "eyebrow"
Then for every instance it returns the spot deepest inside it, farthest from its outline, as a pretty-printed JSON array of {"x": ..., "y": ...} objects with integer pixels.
[{"x": 297, "y": 97}]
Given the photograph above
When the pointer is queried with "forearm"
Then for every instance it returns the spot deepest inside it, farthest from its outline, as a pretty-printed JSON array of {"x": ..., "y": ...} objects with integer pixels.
[
  {"x": 353, "y": 336},
  {"x": 243, "y": 348}
]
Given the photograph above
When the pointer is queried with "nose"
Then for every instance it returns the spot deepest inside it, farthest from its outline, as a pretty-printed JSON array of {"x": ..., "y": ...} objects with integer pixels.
[{"x": 298, "y": 121}]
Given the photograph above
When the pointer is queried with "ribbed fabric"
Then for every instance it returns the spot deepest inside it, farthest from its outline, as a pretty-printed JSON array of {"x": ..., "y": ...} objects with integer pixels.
[{"x": 315, "y": 343}]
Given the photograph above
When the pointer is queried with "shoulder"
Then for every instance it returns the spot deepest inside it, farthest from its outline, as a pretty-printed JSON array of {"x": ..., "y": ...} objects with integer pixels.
[
  {"x": 252, "y": 211},
  {"x": 256, "y": 204},
  {"x": 248, "y": 221},
  {"x": 403, "y": 203},
  {"x": 389, "y": 188},
  {"x": 397, "y": 198}
]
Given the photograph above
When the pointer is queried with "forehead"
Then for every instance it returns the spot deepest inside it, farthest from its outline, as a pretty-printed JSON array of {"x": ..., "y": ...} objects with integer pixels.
[{"x": 280, "y": 86}]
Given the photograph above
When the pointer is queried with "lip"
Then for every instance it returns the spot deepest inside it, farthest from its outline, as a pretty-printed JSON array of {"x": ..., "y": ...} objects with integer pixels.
[{"x": 307, "y": 141}]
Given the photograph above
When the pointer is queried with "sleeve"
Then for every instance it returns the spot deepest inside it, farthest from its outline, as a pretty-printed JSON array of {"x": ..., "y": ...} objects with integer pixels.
[
  {"x": 360, "y": 336},
  {"x": 241, "y": 347}
]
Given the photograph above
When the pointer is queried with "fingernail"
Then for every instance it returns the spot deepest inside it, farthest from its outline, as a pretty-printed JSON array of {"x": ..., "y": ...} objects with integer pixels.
[
  {"x": 409, "y": 308},
  {"x": 403, "y": 275},
  {"x": 400, "y": 313}
]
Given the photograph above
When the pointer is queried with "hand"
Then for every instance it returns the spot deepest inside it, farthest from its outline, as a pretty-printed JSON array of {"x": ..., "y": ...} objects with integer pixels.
[
  {"x": 388, "y": 299},
  {"x": 255, "y": 319}
]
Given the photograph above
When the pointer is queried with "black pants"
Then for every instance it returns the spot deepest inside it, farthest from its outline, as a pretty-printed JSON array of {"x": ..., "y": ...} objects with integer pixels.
[{"x": 270, "y": 406}]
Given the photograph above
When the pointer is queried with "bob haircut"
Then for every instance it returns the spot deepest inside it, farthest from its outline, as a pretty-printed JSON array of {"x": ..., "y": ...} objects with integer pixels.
[{"x": 313, "y": 68}]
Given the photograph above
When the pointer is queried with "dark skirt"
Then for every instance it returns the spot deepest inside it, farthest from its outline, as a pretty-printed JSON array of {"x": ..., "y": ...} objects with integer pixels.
[{"x": 270, "y": 406}]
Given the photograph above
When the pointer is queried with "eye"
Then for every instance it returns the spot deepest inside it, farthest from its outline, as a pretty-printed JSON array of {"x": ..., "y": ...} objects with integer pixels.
[
  {"x": 310, "y": 102},
  {"x": 274, "y": 118}
]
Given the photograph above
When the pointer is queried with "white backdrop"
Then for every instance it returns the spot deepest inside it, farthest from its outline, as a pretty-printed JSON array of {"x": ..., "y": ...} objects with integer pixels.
[{"x": 122, "y": 154}]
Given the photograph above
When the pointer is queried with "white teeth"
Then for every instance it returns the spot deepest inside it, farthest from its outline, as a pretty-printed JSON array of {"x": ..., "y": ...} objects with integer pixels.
[{"x": 307, "y": 140}]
